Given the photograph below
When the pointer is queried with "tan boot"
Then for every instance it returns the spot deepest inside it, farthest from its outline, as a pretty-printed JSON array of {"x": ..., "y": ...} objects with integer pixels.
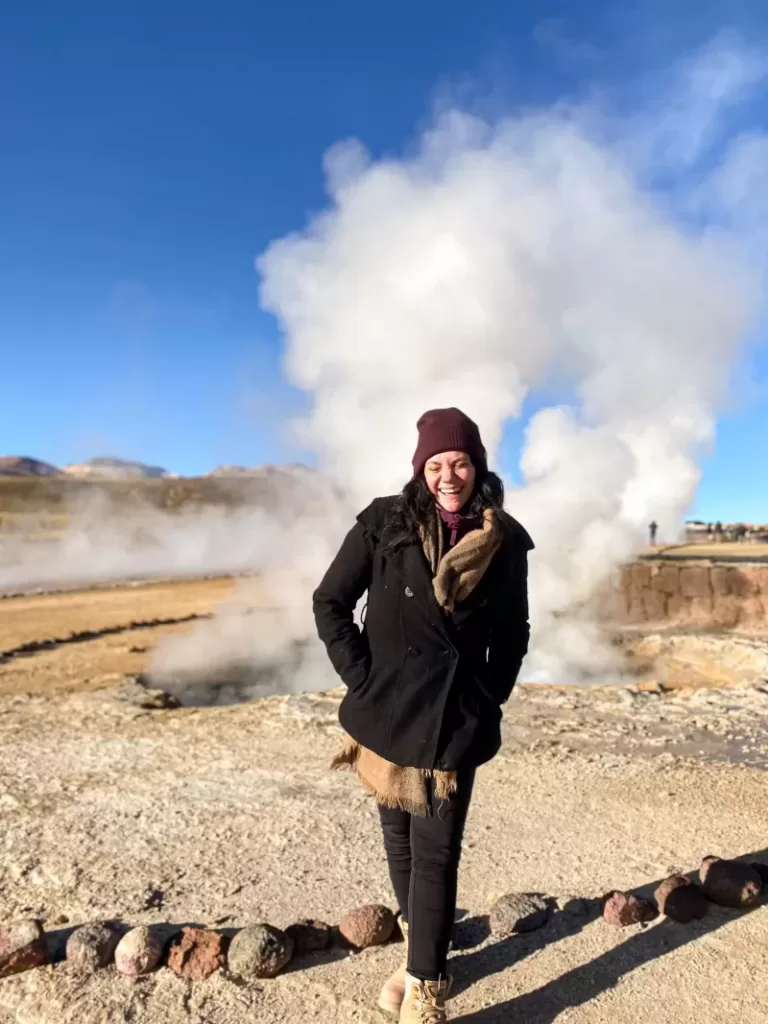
[
  {"x": 424, "y": 1001},
  {"x": 393, "y": 990}
]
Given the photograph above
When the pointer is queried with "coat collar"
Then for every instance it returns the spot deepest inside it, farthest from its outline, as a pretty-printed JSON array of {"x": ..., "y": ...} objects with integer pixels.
[{"x": 406, "y": 558}]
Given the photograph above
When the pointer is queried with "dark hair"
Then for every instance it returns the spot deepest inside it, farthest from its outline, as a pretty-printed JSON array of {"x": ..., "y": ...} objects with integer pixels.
[{"x": 416, "y": 501}]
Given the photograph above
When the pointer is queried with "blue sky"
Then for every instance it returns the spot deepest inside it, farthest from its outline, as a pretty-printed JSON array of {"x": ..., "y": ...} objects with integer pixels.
[{"x": 151, "y": 150}]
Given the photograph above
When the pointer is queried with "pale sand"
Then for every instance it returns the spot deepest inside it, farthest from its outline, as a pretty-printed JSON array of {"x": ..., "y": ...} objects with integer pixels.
[{"x": 232, "y": 816}]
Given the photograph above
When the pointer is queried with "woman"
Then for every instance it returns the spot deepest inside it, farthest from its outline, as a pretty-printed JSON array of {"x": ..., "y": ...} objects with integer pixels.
[{"x": 446, "y": 630}]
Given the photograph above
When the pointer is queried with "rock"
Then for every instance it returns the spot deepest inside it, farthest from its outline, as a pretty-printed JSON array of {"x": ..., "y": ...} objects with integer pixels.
[
  {"x": 92, "y": 945},
  {"x": 195, "y": 953},
  {"x": 309, "y": 936},
  {"x": 259, "y": 951},
  {"x": 680, "y": 900},
  {"x": 139, "y": 951},
  {"x": 518, "y": 912},
  {"x": 730, "y": 883},
  {"x": 366, "y": 926},
  {"x": 651, "y": 687},
  {"x": 621, "y": 909},
  {"x": 136, "y": 691},
  {"x": 22, "y": 946},
  {"x": 761, "y": 869}
]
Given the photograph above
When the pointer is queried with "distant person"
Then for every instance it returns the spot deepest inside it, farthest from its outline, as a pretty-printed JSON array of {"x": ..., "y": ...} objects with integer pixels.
[
  {"x": 653, "y": 530},
  {"x": 718, "y": 531},
  {"x": 446, "y": 631}
]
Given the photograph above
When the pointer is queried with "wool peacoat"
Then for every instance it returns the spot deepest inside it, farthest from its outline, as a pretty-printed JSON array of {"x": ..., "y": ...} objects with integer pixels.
[{"x": 424, "y": 689}]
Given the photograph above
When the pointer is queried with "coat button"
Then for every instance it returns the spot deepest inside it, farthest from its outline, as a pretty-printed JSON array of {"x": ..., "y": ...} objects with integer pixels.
[
  {"x": 408, "y": 592},
  {"x": 414, "y": 652}
]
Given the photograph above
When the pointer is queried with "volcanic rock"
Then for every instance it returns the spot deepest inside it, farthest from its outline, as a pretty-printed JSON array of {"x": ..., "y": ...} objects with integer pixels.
[
  {"x": 139, "y": 951},
  {"x": 518, "y": 912},
  {"x": 136, "y": 690},
  {"x": 92, "y": 945},
  {"x": 370, "y": 925},
  {"x": 22, "y": 946},
  {"x": 621, "y": 909},
  {"x": 680, "y": 900},
  {"x": 196, "y": 953},
  {"x": 730, "y": 883},
  {"x": 259, "y": 951}
]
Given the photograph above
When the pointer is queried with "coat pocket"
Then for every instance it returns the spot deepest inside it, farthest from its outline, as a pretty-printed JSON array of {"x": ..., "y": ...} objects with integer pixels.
[
  {"x": 363, "y": 687},
  {"x": 484, "y": 687}
]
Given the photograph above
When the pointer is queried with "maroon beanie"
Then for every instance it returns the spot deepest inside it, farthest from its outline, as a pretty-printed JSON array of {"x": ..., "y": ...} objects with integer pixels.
[{"x": 447, "y": 430}]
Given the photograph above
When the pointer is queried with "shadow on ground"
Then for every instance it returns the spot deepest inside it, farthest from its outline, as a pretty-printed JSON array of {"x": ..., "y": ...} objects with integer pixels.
[{"x": 587, "y": 981}]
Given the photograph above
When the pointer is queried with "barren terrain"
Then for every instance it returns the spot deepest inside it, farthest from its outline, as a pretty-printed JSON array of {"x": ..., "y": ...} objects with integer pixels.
[
  {"x": 101, "y": 633},
  {"x": 228, "y": 816}
]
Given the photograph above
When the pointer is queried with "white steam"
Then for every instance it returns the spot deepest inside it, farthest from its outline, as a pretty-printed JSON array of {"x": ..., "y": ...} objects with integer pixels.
[{"x": 267, "y": 520}]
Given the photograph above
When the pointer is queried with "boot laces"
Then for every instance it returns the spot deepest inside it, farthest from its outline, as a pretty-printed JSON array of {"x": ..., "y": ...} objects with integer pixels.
[{"x": 428, "y": 1005}]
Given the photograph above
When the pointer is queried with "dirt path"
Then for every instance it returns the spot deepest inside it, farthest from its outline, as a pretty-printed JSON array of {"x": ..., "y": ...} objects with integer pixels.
[{"x": 226, "y": 816}]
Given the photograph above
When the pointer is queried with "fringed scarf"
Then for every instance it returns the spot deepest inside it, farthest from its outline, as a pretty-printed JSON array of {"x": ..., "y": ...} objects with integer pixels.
[{"x": 456, "y": 572}]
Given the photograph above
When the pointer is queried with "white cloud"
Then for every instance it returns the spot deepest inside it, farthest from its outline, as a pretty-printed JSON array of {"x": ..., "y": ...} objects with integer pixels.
[{"x": 702, "y": 92}]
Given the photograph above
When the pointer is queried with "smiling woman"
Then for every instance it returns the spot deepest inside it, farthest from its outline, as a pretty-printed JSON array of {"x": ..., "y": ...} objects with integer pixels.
[
  {"x": 445, "y": 569},
  {"x": 451, "y": 478}
]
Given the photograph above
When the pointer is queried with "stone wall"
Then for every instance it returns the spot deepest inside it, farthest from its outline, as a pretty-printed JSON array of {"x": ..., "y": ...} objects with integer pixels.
[{"x": 701, "y": 594}]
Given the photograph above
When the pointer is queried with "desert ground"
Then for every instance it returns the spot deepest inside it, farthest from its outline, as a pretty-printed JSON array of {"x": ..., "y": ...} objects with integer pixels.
[
  {"x": 102, "y": 633},
  {"x": 114, "y": 807}
]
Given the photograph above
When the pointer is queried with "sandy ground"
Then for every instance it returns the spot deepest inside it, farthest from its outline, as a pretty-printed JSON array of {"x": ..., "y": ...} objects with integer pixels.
[
  {"x": 126, "y": 616},
  {"x": 37, "y": 617},
  {"x": 228, "y": 816},
  {"x": 740, "y": 551}
]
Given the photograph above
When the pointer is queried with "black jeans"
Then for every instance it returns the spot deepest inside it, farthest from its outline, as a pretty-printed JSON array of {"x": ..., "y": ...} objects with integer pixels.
[{"x": 423, "y": 856}]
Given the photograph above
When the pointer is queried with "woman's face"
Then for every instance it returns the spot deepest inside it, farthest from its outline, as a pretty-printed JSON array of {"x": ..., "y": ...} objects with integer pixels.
[{"x": 450, "y": 477}]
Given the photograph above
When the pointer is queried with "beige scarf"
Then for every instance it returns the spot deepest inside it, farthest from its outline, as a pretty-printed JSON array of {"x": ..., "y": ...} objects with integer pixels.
[{"x": 456, "y": 573}]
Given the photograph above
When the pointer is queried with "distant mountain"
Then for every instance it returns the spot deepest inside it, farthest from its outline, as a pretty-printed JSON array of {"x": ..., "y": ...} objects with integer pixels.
[
  {"x": 107, "y": 467},
  {"x": 259, "y": 471},
  {"x": 23, "y": 465},
  {"x": 236, "y": 471}
]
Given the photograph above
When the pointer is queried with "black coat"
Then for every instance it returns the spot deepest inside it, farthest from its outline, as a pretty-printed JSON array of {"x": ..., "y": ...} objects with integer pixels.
[{"x": 424, "y": 689}]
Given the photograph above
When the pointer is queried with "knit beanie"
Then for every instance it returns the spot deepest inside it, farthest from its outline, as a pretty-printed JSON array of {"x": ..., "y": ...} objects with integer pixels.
[{"x": 447, "y": 430}]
